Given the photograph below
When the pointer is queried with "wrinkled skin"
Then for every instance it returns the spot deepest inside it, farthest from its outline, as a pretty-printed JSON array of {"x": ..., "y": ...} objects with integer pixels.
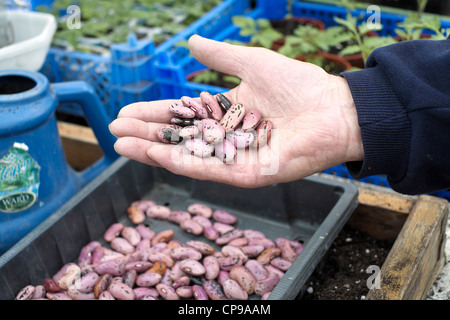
[{"x": 312, "y": 112}]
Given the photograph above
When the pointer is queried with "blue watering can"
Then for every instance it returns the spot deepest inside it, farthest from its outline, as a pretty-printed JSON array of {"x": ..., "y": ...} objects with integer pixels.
[{"x": 35, "y": 178}]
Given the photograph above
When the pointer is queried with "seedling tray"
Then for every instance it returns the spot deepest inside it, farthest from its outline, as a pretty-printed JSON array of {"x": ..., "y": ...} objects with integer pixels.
[{"x": 313, "y": 210}]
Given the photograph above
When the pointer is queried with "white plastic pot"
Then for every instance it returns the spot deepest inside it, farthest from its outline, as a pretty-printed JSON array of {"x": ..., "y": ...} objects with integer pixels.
[{"x": 30, "y": 35}]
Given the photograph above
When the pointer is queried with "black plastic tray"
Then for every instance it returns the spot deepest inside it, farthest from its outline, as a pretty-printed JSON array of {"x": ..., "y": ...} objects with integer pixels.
[{"x": 312, "y": 210}]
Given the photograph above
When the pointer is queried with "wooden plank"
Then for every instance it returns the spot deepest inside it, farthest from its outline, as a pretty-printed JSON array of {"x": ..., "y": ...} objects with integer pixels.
[
  {"x": 417, "y": 255},
  {"x": 80, "y": 145},
  {"x": 381, "y": 212}
]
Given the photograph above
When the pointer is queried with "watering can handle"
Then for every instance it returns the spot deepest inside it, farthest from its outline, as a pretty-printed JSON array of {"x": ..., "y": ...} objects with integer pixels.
[{"x": 84, "y": 94}]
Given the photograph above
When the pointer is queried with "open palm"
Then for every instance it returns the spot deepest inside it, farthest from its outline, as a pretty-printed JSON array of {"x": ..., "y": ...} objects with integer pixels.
[{"x": 313, "y": 115}]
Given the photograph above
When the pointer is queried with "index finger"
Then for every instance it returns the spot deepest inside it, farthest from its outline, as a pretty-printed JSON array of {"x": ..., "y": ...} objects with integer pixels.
[{"x": 148, "y": 111}]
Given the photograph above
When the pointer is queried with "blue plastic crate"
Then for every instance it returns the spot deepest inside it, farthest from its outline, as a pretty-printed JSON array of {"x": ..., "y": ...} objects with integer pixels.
[
  {"x": 174, "y": 64},
  {"x": 102, "y": 72}
]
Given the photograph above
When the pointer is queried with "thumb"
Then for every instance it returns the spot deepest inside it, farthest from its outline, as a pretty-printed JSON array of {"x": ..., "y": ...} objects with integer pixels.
[{"x": 220, "y": 56}]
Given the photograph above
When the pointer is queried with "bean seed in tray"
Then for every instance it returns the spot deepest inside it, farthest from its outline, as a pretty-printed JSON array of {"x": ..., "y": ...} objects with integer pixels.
[{"x": 169, "y": 256}]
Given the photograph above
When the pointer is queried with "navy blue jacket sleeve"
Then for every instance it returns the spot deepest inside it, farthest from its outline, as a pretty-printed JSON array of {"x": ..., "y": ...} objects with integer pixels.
[{"x": 402, "y": 99}]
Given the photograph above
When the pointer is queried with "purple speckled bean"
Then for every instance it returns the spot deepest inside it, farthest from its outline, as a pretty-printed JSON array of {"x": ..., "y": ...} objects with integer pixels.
[
  {"x": 182, "y": 253},
  {"x": 224, "y": 216},
  {"x": 184, "y": 292},
  {"x": 200, "y": 110},
  {"x": 263, "y": 133},
  {"x": 181, "y": 111},
  {"x": 200, "y": 209},
  {"x": 239, "y": 242},
  {"x": 266, "y": 295},
  {"x": 281, "y": 263},
  {"x": 113, "y": 231},
  {"x": 144, "y": 231},
  {"x": 122, "y": 245},
  {"x": 212, "y": 267},
  {"x": 57, "y": 296},
  {"x": 212, "y": 105},
  {"x": 131, "y": 235},
  {"x": 192, "y": 267},
  {"x": 268, "y": 254},
  {"x": 233, "y": 117},
  {"x": 136, "y": 215},
  {"x": 106, "y": 295},
  {"x": 102, "y": 284},
  {"x": 199, "y": 293},
  {"x": 176, "y": 272},
  {"x": 203, "y": 221},
  {"x": 287, "y": 251},
  {"x": 267, "y": 243},
  {"x": 143, "y": 204},
  {"x": 228, "y": 236},
  {"x": 62, "y": 271},
  {"x": 214, "y": 290},
  {"x": 212, "y": 131},
  {"x": 189, "y": 131},
  {"x": 85, "y": 256},
  {"x": 222, "y": 227},
  {"x": 266, "y": 285},
  {"x": 183, "y": 122},
  {"x": 158, "y": 212},
  {"x": 211, "y": 233},
  {"x": 223, "y": 101},
  {"x": 251, "y": 120},
  {"x": 86, "y": 283},
  {"x": 233, "y": 290},
  {"x": 139, "y": 266},
  {"x": 178, "y": 216},
  {"x": 250, "y": 234},
  {"x": 240, "y": 139},
  {"x": 167, "y": 292},
  {"x": 181, "y": 281},
  {"x": 230, "y": 250},
  {"x": 244, "y": 277},
  {"x": 129, "y": 278},
  {"x": 272, "y": 269},
  {"x": 51, "y": 286},
  {"x": 148, "y": 279},
  {"x": 169, "y": 133},
  {"x": 230, "y": 262},
  {"x": 26, "y": 293},
  {"x": 191, "y": 226},
  {"x": 112, "y": 267},
  {"x": 76, "y": 294},
  {"x": 160, "y": 256},
  {"x": 141, "y": 292},
  {"x": 256, "y": 269},
  {"x": 69, "y": 277},
  {"x": 201, "y": 246},
  {"x": 225, "y": 151},
  {"x": 97, "y": 255},
  {"x": 223, "y": 275},
  {"x": 199, "y": 147},
  {"x": 163, "y": 236},
  {"x": 39, "y": 292},
  {"x": 121, "y": 291}
]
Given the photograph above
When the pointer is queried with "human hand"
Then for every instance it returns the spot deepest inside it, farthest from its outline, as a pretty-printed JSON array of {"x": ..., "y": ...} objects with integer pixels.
[{"x": 313, "y": 115}]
